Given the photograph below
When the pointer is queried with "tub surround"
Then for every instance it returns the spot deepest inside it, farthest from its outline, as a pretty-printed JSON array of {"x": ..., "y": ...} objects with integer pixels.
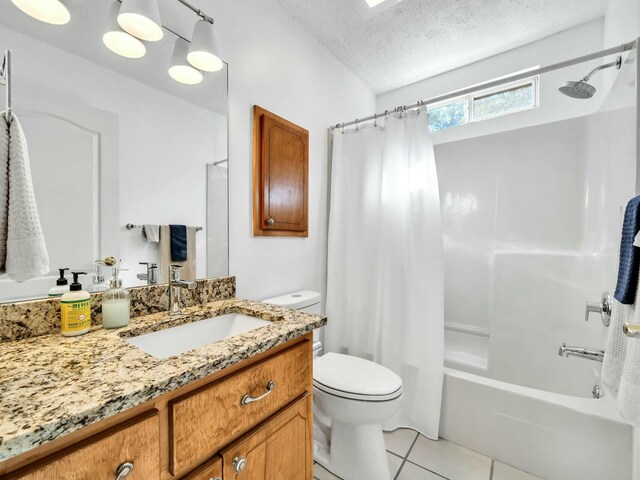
[{"x": 52, "y": 385}]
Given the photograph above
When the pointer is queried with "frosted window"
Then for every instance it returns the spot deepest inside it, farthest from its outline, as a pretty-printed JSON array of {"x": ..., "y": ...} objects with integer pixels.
[
  {"x": 505, "y": 101},
  {"x": 448, "y": 115}
]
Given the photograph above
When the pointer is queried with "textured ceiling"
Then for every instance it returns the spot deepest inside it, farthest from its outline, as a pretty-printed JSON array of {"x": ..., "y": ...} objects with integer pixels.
[
  {"x": 82, "y": 36},
  {"x": 402, "y": 42}
]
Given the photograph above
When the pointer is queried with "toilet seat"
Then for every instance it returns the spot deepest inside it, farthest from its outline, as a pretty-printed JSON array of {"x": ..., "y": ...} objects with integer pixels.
[{"x": 355, "y": 378}]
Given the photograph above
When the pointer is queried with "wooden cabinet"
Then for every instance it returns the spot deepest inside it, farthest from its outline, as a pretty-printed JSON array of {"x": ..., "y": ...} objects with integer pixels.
[
  {"x": 280, "y": 176},
  {"x": 211, "y": 470},
  {"x": 99, "y": 457},
  {"x": 195, "y": 432},
  {"x": 204, "y": 421},
  {"x": 281, "y": 448}
]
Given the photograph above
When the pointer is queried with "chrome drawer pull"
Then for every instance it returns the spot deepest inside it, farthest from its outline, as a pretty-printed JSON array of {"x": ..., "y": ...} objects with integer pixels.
[
  {"x": 124, "y": 470},
  {"x": 246, "y": 400}
]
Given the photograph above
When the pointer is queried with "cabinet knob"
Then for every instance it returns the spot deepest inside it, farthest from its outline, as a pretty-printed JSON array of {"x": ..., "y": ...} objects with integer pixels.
[
  {"x": 270, "y": 221},
  {"x": 124, "y": 470},
  {"x": 239, "y": 464}
]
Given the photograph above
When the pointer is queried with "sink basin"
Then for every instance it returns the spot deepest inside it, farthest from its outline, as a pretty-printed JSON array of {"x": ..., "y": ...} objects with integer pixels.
[{"x": 174, "y": 341}]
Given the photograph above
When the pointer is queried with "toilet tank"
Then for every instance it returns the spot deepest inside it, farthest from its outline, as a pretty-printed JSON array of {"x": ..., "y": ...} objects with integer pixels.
[{"x": 303, "y": 300}]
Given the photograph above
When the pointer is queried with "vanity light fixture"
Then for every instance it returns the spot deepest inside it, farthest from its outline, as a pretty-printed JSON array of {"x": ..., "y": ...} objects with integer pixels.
[
  {"x": 141, "y": 18},
  {"x": 121, "y": 42},
  {"x": 374, "y": 3},
  {"x": 49, "y": 11},
  {"x": 203, "y": 53},
  {"x": 180, "y": 70}
]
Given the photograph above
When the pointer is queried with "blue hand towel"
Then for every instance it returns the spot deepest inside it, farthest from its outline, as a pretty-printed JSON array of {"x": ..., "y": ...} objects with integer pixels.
[
  {"x": 179, "y": 243},
  {"x": 629, "y": 255}
]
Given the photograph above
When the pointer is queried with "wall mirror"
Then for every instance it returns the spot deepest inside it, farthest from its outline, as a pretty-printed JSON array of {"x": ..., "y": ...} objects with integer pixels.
[{"x": 116, "y": 141}]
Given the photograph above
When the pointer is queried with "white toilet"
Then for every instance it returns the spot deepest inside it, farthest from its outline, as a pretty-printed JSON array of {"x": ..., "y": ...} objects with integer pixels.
[{"x": 352, "y": 397}]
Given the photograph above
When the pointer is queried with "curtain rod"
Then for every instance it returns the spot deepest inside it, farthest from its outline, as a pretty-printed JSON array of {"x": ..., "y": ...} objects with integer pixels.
[{"x": 625, "y": 47}]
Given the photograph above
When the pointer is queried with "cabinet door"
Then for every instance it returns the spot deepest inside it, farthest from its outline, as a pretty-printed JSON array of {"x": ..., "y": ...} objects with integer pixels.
[
  {"x": 281, "y": 176},
  {"x": 98, "y": 458},
  {"x": 280, "y": 449},
  {"x": 212, "y": 470}
]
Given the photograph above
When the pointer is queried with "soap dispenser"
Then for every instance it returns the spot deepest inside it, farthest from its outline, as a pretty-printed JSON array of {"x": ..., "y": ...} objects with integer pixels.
[
  {"x": 98, "y": 284},
  {"x": 116, "y": 303},
  {"x": 75, "y": 309},
  {"x": 62, "y": 285}
]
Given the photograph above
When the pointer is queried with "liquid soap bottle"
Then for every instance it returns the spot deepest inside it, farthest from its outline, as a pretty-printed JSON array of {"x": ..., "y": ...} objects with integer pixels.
[
  {"x": 116, "y": 303},
  {"x": 62, "y": 285},
  {"x": 98, "y": 284},
  {"x": 75, "y": 309}
]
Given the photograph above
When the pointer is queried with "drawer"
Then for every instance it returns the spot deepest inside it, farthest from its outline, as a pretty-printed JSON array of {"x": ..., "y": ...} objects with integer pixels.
[
  {"x": 212, "y": 470},
  {"x": 207, "y": 419},
  {"x": 98, "y": 458}
]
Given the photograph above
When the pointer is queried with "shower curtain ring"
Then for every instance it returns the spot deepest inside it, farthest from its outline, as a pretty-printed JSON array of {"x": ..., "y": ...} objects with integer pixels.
[
  {"x": 357, "y": 126},
  {"x": 343, "y": 128},
  {"x": 375, "y": 119}
]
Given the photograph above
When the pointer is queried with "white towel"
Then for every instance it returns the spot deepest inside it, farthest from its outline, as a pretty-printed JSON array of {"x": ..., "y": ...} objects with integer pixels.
[
  {"x": 151, "y": 233},
  {"x": 621, "y": 366},
  {"x": 23, "y": 253}
]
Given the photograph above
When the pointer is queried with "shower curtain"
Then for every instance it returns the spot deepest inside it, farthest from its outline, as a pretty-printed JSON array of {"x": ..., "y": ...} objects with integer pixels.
[{"x": 385, "y": 262}]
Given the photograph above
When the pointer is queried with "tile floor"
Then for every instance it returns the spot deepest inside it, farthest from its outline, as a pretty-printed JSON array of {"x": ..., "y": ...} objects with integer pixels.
[{"x": 414, "y": 457}]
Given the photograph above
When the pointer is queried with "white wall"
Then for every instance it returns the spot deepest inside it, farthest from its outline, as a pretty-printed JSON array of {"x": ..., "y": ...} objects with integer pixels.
[
  {"x": 565, "y": 45},
  {"x": 165, "y": 142},
  {"x": 621, "y": 22},
  {"x": 276, "y": 64}
]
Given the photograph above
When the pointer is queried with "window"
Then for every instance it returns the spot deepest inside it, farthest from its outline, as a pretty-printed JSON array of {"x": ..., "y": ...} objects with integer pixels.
[{"x": 484, "y": 104}]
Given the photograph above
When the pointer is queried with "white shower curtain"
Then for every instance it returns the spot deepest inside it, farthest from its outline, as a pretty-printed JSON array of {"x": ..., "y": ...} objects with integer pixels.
[{"x": 385, "y": 263}]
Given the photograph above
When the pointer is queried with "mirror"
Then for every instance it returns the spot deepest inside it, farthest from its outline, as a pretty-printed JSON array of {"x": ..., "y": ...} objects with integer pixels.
[{"x": 115, "y": 141}]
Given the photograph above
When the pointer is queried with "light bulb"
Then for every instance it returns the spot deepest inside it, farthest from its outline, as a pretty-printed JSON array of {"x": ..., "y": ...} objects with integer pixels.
[
  {"x": 48, "y": 11},
  {"x": 124, "y": 44}
]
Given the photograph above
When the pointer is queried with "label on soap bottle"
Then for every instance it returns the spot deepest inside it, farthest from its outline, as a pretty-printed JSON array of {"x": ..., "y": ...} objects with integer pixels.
[{"x": 75, "y": 315}]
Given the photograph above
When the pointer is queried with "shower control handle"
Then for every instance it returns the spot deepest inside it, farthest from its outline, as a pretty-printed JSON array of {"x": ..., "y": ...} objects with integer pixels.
[{"x": 603, "y": 307}]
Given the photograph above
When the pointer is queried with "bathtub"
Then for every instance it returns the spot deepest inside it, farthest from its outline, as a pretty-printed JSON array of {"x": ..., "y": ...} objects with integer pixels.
[{"x": 551, "y": 435}]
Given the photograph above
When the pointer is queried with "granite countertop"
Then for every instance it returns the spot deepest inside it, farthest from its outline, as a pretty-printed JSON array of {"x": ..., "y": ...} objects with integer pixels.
[{"x": 52, "y": 385}]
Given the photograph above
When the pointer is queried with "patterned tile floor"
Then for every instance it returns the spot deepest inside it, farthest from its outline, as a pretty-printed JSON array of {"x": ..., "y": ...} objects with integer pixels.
[{"x": 415, "y": 457}]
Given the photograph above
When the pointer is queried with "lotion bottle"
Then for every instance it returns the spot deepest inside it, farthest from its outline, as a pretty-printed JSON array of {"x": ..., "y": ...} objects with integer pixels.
[
  {"x": 75, "y": 309},
  {"x": 62, "y": 285},
  {"x": 116, "y": 303}
]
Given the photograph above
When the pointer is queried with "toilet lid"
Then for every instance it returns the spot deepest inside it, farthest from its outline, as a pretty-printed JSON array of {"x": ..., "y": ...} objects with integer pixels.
[{"x": 354, "y": 377}]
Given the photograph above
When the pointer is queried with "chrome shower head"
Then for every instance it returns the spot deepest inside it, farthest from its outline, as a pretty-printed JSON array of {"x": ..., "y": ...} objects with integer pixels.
[{"x": 581, "y": 89}]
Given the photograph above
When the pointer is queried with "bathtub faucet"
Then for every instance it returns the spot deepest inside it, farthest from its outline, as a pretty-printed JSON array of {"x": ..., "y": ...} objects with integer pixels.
[{"x": 582, "y": 352}]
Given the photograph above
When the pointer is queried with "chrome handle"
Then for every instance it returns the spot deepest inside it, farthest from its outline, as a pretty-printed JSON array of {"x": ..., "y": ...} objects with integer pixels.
[
  {"x": 124, "y": 470},
  {"x": 270, "y": 221},
  {"x": 631, "y": 329},
  {"x": 246, "y": 400},
  {"x": 239, "y": 464},
  {"x": 603, "y": 308}
]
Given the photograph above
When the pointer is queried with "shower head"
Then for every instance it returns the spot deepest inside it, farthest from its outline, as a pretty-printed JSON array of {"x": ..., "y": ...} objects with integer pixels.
[{"x": 581, "y": 89}]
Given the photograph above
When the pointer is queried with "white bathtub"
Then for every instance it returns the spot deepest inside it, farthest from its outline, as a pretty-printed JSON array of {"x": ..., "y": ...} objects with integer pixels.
[{"x": 551, "y": 435}]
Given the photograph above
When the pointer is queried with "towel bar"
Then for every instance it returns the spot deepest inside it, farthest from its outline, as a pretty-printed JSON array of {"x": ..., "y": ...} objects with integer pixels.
[{"x": 131, "y": 226}]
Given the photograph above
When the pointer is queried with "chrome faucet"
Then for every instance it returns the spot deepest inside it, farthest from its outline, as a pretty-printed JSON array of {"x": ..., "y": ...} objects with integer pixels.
[
  {"x": 150, "y": 277},
  {"x": 175, "y": 285},
  {"x": 582, "y": 352}
]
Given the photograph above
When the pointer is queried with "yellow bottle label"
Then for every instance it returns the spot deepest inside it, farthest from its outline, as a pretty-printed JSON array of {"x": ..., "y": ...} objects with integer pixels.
[{"x": 75, "y": 315}]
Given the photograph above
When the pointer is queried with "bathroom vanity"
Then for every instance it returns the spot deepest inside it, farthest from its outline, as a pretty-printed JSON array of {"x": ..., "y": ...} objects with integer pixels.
[{"x": 100, "y": 407}]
